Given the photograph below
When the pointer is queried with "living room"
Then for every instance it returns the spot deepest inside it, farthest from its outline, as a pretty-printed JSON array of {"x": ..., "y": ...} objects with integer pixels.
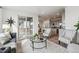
[{"x": 39, "y": 29}]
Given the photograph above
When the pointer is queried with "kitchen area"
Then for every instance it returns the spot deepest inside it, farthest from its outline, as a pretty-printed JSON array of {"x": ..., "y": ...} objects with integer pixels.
[{"x": 54, "y": 23}]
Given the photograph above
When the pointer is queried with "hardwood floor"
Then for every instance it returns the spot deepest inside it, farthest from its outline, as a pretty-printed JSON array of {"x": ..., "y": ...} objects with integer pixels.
[{"x": 54, "y": 39}]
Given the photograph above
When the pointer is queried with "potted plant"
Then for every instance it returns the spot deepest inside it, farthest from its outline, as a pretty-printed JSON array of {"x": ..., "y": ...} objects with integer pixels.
[
  {"x": 35, "y": 36},
  {"x": 77, "y": 28}
]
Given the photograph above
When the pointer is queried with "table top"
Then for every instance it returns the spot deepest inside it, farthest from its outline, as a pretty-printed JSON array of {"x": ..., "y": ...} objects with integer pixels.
[{"x": 38, "y": 40}]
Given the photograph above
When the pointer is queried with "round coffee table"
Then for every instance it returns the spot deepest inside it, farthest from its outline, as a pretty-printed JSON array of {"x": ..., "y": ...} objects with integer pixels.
[{"x": 37, "y": 41}]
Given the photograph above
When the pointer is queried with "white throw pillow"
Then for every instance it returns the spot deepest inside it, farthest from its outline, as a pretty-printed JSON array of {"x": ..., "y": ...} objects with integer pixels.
[
  {"x": 7, "y": 35},
  {"x": 3, "y": 40},
  {"x": 4, "y": 37}
]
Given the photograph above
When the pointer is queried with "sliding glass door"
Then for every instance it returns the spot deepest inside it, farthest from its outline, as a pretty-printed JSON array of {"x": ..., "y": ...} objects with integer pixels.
[{"x": 25, "y": 27}]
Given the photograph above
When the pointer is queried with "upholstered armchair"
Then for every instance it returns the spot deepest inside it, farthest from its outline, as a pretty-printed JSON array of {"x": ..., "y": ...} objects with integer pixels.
[
  {"x": 66, "y": 36},
  {"x": 47, "y": 32}
]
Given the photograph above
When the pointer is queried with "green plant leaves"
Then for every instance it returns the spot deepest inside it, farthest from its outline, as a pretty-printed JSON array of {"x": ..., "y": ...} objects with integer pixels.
[{"x": 77, "y": 25}]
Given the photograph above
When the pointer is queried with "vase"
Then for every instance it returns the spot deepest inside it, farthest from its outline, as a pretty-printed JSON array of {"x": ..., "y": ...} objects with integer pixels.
[{"x": 41, "y": 38}]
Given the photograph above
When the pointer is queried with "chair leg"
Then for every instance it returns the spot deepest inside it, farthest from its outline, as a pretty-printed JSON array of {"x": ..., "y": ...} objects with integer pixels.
[{"x": 59, "y": 42}]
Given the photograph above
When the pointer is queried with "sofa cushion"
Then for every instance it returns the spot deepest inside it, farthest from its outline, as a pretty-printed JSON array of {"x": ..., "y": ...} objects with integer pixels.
[
  {"x": 7, "y": 35},
  {"x": 4, "y": 40},
  {"x": 4, "y": 37},
  {"x": 10, "y": 44},
  {"x": 64, "y": 40},
  {"x": 5, "y": 50}
]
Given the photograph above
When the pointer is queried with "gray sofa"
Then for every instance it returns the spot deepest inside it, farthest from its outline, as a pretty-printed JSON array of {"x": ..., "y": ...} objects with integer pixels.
[{"x": 8, "y": 43}]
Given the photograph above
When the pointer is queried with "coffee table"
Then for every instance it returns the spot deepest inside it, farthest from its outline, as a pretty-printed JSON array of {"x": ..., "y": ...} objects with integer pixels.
[{"x": 37, "y": 41}]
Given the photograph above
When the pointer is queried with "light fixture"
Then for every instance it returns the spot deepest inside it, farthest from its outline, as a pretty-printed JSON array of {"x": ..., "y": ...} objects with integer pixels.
[{"x": 10, "y": 21}]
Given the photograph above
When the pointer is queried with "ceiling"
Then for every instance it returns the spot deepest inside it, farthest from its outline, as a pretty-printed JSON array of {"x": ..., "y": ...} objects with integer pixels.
[{"x": 37, "y": 10}]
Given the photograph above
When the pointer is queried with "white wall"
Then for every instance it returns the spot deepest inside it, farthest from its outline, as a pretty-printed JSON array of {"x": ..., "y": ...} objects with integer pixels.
[
  {"x": 0, "y": 19},
  {"x": 8, "y": 13},
  {"x": 71, "y": 17}
]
